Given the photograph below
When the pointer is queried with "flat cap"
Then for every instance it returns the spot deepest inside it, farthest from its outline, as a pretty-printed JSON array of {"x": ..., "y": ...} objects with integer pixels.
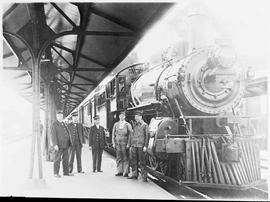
[
  {"x": 137, "y": 112},
  {"x": 59, "y": 111},
  {"x": 122, "y": 112},
  {"x": 96, "y": 117}
]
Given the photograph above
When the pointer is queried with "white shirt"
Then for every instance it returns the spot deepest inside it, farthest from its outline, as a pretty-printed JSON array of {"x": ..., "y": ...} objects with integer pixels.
[
  {"x": 121, "y": 124},
  {"x": 97, "y": 126}
]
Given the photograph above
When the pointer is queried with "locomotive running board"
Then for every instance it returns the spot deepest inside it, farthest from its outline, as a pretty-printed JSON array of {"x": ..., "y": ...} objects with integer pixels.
[{"x": 223, "y": 186}]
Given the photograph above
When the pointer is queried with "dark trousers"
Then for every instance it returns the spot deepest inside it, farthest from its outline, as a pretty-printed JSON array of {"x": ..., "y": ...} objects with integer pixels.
[
  {"x": 75, "y": 149},
  {"x": 61, "y": 154},
  {"x": 122, "y": 158},
  {"x": 138, "y": 158},
  {"x": 97, "y": 158}
]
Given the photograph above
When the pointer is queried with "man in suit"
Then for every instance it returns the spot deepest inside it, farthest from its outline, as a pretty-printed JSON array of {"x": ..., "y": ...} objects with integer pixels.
[
  {"x": 77, "y": 140},
  {"x": 97, "y": 141},
  {"x": 138, "y": 141},
  {"x": 61, "y": 141}
]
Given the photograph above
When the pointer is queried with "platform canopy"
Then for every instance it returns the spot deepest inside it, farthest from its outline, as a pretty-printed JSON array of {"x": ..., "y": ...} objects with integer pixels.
[{"x": 79, "y": 44}]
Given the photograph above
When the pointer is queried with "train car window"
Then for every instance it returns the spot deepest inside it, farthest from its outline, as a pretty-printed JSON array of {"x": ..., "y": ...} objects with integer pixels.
[
  {"x": 82, "y": 112},
  {"x": 102, "y": 98},
  {"x": 92, "y": 109},
  {"x": 113, "y": 91},
  {"x": 121, "y": 85},
  {"x": 108, "y": 90},
  {"x": 88, "y": 109},
  {"x": 85, "y": 114}
]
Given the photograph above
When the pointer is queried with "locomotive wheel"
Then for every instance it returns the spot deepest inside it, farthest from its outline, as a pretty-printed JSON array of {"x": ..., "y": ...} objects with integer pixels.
[{"x": 153, "y": 162}]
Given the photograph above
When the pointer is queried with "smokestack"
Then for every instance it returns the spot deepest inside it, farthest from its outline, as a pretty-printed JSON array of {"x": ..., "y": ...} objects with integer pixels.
[{"x": 197, "y": 23}]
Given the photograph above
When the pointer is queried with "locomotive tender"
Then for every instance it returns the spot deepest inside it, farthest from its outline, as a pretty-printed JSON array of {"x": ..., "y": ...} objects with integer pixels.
[{"x": 190, "y": 104}]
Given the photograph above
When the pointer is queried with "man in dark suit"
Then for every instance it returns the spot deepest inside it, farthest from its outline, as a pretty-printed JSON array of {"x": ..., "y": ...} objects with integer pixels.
[
  {"x": 97, "y": 141},
  {"x": 77, "y": 140},
  {"x": 61, "y": 141}
]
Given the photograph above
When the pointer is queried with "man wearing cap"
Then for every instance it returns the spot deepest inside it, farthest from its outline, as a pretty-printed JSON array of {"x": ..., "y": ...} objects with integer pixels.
[
  {"x": 120, "y": 135},
  {"x": 97, "y": 141},
  {"x": 61, "y": 141},
  {"x": 138, "y": 141},
  {"x": 77, "y": 140}
]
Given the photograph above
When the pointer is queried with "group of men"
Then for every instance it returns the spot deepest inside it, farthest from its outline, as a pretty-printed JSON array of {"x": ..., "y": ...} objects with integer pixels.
[
  {"x": 130, "y": 144},
  {"x": 135, "y": 140},
  {"x": 67, "y": 140}
]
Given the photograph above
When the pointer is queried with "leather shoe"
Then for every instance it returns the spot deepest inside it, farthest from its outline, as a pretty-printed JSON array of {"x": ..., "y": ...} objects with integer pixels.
[
  {"x": 57, "y": 175},
  {"x": 94, "y": 171},
  {"x": 81, "y": 172},
  {"x": 145, "y": 180},
  {"x": 125, "y": 175},
  {"x": 100, "y": 171},
  {"x": 118, "y": 174},
  {"x": 69, "y": 174},
  {"x": 133, "y": 177}
]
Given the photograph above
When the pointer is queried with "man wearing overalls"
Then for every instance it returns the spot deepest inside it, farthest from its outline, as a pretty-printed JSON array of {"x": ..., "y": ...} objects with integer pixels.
[{"x": 120, "y": 135}]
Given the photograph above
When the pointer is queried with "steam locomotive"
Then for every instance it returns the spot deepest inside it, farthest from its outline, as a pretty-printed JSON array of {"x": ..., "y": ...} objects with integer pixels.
[{"x": 191, "y": 106}]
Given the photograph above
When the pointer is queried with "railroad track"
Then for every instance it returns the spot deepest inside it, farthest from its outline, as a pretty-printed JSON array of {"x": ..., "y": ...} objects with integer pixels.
[
  {"x": 174, "y": 187},
  {"x": 182, "y": 191}
]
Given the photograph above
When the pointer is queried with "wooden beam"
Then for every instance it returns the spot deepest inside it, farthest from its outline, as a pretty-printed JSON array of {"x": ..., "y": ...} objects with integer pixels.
[
  {"x": 18, "y": 68},
  {"x": 77, "y": 95},
  {"x": 8, "y": 11},
  {"x": 63, "y": 14},
  {"x": 114, "y": 19},
  {"x": 12, "y": 53},
  {"x": 14, "y": 49},
  {"x": 64, "y": 77},
  {"x": 25, "y": 88},
  {"x": 8, "y": 55},
  {"x": 90, "y": 69},
  {"x": 84, "y": 19},
  {"x": 65, "y": 82},
  {"x": 85, "y": 78},
  {"x": 72, "y": 98},
  {"x": 24, "y": 84},
  {"x": 20, "y": 75},
  {"x": 80, "y": 54},
  {"x": 58, "y": 53},
  {"x": 84, "y": 84},
  {"x": 78, "y": 87}
]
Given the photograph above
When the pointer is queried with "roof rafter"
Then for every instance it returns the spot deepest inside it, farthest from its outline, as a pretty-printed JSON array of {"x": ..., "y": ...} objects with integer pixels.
[
  {"x": 10, "y": 10},
  {"x": 113, "y": 19},
  {"x": 85, "y": 78},
  {"x": 80, "y": 54},
  {"x": 58, "y": 53},
  {"x": 75, "y": 86},
  {"x": 63, "y": 14}
]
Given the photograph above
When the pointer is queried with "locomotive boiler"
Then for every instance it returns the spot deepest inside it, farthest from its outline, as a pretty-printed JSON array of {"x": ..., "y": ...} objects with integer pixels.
[{"x": 207, "y": 81}]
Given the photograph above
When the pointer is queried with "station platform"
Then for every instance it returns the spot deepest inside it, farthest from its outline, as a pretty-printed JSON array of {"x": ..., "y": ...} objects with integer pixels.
[{"x": 15, "y": 168}]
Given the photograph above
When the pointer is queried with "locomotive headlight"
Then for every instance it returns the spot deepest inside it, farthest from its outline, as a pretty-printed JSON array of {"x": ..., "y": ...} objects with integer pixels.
[{"x": 225, "y": 56}]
